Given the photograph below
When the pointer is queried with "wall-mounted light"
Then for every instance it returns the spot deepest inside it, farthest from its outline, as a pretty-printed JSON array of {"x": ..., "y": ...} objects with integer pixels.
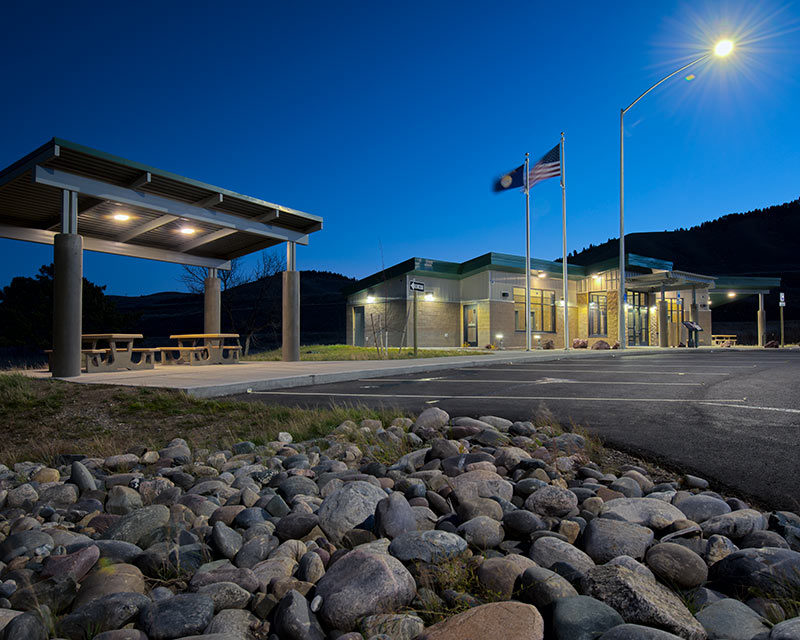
[
  {"x": 597, "y": 277},
  {"x": 653, "y": 308},
  {"x": 121, "y": 217},
  {"x": 542, "y": 274},
  {"x": 731, "y": 294},
  {"x": 370, "y": 299},
  {"x": 428, "y": 297},
  {"x": 499, "y": 336},
  {"x": 188, "y": 230}
]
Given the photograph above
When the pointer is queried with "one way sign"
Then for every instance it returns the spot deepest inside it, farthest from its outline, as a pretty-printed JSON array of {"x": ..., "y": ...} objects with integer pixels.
[{"x": 417, "y": 286}]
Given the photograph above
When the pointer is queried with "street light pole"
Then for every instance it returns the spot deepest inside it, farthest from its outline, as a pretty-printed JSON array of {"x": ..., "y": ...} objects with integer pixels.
[{"x": 621, "y": 292}]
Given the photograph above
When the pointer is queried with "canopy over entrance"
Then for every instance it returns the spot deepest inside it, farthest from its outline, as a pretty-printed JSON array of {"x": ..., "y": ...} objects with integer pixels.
[
  {"x": 77, "y": 198},
  {"x": 668, "y": 281},
  {"x": 131, "y": 209}
]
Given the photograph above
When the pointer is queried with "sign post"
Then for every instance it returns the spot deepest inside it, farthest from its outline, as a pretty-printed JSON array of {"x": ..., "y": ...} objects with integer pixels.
[
  {"x": 416, "y": 287},
  {"x": 781, "y": 305}
]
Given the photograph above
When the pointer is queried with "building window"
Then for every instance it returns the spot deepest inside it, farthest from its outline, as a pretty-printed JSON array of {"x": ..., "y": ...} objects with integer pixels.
[
  {"x": 598, "y": 318},
  {"x": 543, "y": 310},
  {"x": 674, "y": 310}
]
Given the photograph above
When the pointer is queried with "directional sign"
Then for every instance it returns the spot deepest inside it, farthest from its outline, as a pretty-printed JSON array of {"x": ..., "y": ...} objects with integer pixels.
[
  {"x": 782, "y": 300},
  {"x": 417, "y": 286}
]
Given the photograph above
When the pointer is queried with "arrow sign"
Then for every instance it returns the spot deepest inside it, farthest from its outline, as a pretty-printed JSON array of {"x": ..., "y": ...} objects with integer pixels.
[{"x": 417, "y": 286}]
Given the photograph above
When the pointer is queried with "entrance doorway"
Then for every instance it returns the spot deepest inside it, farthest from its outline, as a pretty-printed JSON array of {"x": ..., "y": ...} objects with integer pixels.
[
  {"x": 638, "y": 319},
  {"x": 471, "y": 325},
  {"x": 358, "y": 326}
]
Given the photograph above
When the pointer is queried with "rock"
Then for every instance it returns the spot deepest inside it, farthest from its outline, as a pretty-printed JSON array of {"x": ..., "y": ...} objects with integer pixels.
[
  {"x": 734, "y": 525},
  {"x": 243, "y": 577},
  {"x": 647, "y": 512},
  {"x": 6, "y": 616},
  {"x": 296, "y": 526},
  {"x": 481, "y": 484},
  {"x": 627, "y": 487},
  {"x": 293, "y": 619},
  {"x": 225, "y": 595},
  {"x": 311, "y": 568},
  {"x": 26, "y": 543},
  {"x": 765, "y": 570},
  {"x": 184, "y": 614},
  {"x": 548, "y": 551},
  {"x": 719, "y": 547},
  {"x": 22, "y": 496},
  {"x": 28, "y": 626},
  {"x": 432, "y": 418},
  {"x": 361, "y": 584},
  {"x": 700, "y": 508},
  {"x": 605, "y": 539},
  {"x": 482, "y": 532},
  {"x": 105, "y": 580},
  {"x": 763, "y": 538},
  {"x": 255, "y": 550},
  {"x": 522, "y": 523},
  {"x": 633, "y": 565},
  {"x": 427, "y": 546},
  {"x": 348, "y": 507},
  {"x": 121, "y": 462},
  {"x": 542, "y": 587},
  {"x": 582, "y": 618},
  {"x": 677, "y": 565},
  {"x": 226, "y": 540},
  {"x": 274, "y": 567},
  {"x": 75, "y": 565},
  {"x": 500, "y": 576},
  {"x": 730, "y": 619},
  {"x": 103, "y": 614},
  {"x": 298, "y": 486},
  {"x": 636, "y": 632},
  {"x": 551, "y": 501},
  {"x": 138, "y": 524},
  {"x": 786, "y": 630},
  {"x": 641, "y": 600},
  {"x": 397, "y": 626},
  {"x": 234, "y": 623},
  {"x": 82, "y": 477},
  {"x": 495, "y": 620},
  {"x": 57, "y": 593},
  {"x": 394, "y": 516}
]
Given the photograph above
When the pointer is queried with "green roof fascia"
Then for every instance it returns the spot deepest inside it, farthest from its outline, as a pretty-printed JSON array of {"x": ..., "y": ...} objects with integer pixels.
[
  {"x": 174, "y": 176},
  {"x": 746, "y": 282},
  {"x": 516, "y": 264},
  {"x": 631, "y": 260},
  {"x": 402, "y": 268}
]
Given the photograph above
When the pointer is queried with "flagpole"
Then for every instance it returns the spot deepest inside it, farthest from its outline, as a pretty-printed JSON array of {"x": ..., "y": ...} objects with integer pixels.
[
  {"x": 527, "y": 258},
  {"x": 564, "y": 244}
]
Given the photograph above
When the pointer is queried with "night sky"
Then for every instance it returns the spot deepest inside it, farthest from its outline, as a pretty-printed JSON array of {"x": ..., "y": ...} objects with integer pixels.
[{"x": 391, "y": 120}]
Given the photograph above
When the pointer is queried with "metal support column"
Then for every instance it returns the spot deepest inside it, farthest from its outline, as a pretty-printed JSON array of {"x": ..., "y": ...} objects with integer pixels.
[
  {"x": 762, "y": 321},
  {"x": 212, "y": 316},
  {"x": 67, "y": 291},
  {"x": 663, "y": 335},
  {"x": 291, "y": 306}
]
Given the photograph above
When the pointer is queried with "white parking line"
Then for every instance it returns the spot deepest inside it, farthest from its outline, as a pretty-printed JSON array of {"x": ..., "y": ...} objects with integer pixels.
[
  {"x": 744, "y": 406},
  {"x": 539, "y": 381},
  {"x": 656, "y": 365},
  {"x": 651, "y": 371},
  {"x": 445, "y": 397}
]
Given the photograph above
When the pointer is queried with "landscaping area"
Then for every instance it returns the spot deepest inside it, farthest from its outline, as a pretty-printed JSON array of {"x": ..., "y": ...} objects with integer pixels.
[
  {"x": 136, "y": 514},
  {"x": 350, "y": 352}
]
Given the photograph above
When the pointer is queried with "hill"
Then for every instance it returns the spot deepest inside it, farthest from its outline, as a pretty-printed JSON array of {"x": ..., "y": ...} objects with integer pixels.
[{"x": 762, "y": 242}]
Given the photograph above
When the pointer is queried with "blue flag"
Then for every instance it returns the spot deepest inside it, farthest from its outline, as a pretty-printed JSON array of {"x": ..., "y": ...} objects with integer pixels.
[{"x": 512, "y": 180}]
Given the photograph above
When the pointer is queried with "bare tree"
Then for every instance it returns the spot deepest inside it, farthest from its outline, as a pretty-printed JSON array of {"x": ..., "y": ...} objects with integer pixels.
[{"x": 254, "y": 312}]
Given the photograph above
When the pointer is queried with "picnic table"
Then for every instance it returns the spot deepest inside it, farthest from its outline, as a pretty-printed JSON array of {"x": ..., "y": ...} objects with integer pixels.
[
  {"x": 202, "y": 348},
  {"x": 114, "y": 352}
]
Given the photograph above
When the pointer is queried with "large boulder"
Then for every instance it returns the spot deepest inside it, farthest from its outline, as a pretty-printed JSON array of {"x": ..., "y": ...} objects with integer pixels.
[
  {"x": 582, "y": 618},
  {"x": 700, "y": 508},
  {"x": 735, "y": 525},
  {"x": 181, "y": 615},
  {"x": 500, "y": 576},
  {"x": 103, "y": 614},
  {"x": 647, "y": 512},
  {"x": 430, "y": 546},
  {"x": 551, "y": 501},
  {"x": 138, "y": 524},
  {"x": 394, "y": 516},
  {"x": 768, "y": 570},
  {"x": 677, "y": 565},
  {"x": 731, "y": 619},
  {"x": 481, "y": 484},
  {"x": 605, "y": 539},
  {"x": 348, "y": 507},
  {"x": 360, "y": 584},
  {"x": 432, "y": 418},
  {"x": 495, "y": 620},
  {"x": 641, "y": 600},
  {"x": 637, "y": 632},
  {"x": 549, "y": 550}
]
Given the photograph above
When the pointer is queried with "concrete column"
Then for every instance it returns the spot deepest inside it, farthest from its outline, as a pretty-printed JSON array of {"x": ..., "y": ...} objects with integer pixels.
[
  {"x": 291, "y": 307},
  {"x": 67, "y": 304},
  {"x": 212, "y": 316},
  {"x": 663, "y": 334},
  {"x": 762, "y": 321}
]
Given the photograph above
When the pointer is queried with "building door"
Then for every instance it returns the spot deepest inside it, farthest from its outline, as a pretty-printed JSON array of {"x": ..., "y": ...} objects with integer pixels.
[
  {"x": 638, "y": 319},
  {"x": 471, "y": 325},
  {"x": 358, "y": 326}
]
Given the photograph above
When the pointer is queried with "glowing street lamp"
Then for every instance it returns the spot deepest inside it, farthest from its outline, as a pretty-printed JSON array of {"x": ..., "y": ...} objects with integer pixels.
[{"x": 721, "y": 49}]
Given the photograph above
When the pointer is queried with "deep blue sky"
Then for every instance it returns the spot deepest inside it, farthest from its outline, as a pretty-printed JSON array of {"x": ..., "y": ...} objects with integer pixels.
[{"x": 390, "y": 120}]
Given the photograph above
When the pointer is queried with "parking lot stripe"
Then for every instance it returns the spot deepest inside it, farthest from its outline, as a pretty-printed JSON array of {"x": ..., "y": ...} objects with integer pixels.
[
  {"x": 652, "y": 371},
  {"x": 446, "y": 397},
  {"x": 540, "y": 381},
  {"x": 744, "y": 406}
]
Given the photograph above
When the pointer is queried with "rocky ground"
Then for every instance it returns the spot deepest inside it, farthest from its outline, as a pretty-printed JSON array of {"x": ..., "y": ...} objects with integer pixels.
[{"x": 439, "y": 528}]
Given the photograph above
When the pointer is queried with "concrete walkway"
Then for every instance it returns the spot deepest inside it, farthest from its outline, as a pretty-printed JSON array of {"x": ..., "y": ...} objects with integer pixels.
[{"x": 225, "y": 380}]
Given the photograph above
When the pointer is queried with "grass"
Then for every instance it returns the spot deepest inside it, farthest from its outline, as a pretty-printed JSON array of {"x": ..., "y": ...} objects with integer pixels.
[
  {"x": 349, "y": 352},
  {"x": 43, "y": 418}
]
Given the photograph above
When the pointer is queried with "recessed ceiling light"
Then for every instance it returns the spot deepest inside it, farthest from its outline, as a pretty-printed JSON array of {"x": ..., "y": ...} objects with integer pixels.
[
  {"x": 121, "y": 217},
  {"x": 188, "y": 230}
]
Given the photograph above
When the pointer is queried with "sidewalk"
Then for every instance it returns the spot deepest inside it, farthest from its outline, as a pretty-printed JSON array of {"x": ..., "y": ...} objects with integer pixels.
[{"x": 225, "y": 380}]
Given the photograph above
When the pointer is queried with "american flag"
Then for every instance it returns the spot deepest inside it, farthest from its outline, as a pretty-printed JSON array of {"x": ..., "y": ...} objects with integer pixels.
[{"x": 548, "y": 167}]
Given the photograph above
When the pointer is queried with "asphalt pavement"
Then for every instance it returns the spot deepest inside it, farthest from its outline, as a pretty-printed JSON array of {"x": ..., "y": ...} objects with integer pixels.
[{"x": 730, "y": 416}]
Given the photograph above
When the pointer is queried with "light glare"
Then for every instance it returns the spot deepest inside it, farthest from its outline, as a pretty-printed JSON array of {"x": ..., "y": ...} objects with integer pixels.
[
  {"x": 122, "y": 217},
  {"x": 187, "y": 230},
  {"x": 723, "y": 48}
]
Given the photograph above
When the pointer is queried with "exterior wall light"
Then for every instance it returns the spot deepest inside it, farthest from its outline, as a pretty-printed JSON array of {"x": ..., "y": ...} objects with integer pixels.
[
  {"x": 121, "y": 217},
  {"x": 542, "y": 274},
  {"x": 370, "y": 299},
  {"x": 188, "y": 230},
  {"x": 731, "y": 294},
  {"x": 428, "y": 297},
  {"x": 499, "y": 336}
]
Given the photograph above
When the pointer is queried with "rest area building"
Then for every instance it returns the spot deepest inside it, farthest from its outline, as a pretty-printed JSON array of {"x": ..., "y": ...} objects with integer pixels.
[{"x": 481, "y": 302}]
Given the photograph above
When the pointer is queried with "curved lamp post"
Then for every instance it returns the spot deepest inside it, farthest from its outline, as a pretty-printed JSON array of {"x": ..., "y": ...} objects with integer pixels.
[{"x": 721, "y": 49}]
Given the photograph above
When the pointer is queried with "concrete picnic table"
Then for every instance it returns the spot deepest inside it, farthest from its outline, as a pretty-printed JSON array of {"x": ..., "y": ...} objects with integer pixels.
[
  {"x": 117, "y": 355},
  {"x": 213, "y": 349}
]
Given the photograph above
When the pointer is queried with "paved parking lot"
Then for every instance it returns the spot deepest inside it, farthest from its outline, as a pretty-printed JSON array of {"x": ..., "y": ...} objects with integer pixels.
[{"x": 733, "y": 417}]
